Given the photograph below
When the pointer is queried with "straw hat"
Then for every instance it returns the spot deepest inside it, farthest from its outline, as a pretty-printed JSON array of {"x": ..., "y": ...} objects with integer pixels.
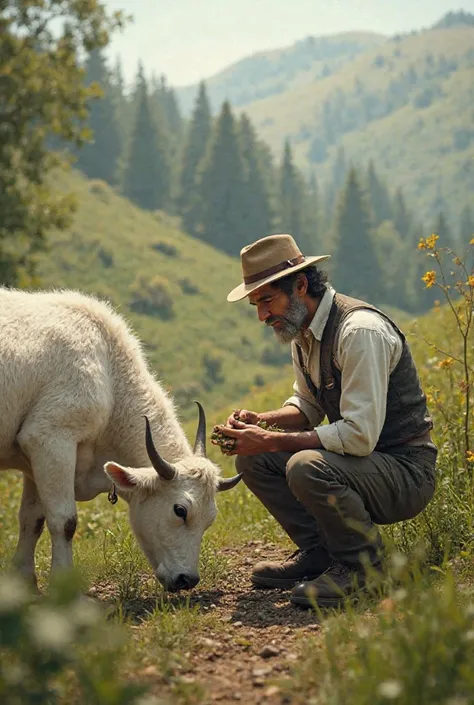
[{"x": 268, "y": 259}]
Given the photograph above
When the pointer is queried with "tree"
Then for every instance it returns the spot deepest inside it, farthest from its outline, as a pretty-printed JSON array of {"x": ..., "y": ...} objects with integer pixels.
[
  {"x": 291, "y": 198},
  {"x": 43, "y": 100},
  {"x": 147, "y": 174},
  {"x": 466, "y": 230},
  {"x": 442, "y": 229},
  {"x": 401, "y": 216},
  {"x": 356, "y": 267},
  {"x": 221, "y": 188},
  {"x": 99, "y": 157},
  {"x": 379, "y": 197},
  {"x": 257, "y": 211},
  {"x": 196, "y": 143}
]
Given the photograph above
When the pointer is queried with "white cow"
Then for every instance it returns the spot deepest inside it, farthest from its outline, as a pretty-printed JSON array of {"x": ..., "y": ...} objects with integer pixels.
[{"x": 76, "y": 397}]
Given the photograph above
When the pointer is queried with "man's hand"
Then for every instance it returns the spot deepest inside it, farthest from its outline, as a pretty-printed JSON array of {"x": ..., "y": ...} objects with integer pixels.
[
  {"x": 248, "y": 417},
  {"x": 250, "y": 439}
]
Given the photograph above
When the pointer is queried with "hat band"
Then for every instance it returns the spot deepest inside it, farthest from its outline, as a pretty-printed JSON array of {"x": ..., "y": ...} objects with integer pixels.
[{"x": 274, "y": 270}]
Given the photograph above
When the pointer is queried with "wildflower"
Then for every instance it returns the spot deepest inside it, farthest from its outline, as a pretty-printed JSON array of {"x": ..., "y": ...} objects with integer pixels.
[
  {"x": 431, "y": 241},
  {"x": 470, "y": 281},
  {"x": 13, "y": 593},
  {"x": 470, "y": 456},
  {"x": 429, "y": 278},
  {"x": 458, "y": 261},
  {"x": 390, "y": 689},
  {"x": 471, "y": 242},
  {"x": 422, "y": 244},
  {"x": 447, "y": 362},
  {"x": 51, "y": 629}
]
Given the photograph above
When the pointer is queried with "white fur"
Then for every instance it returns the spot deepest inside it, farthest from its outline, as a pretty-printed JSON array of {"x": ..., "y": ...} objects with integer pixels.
[{"x": 74, "y": 388}]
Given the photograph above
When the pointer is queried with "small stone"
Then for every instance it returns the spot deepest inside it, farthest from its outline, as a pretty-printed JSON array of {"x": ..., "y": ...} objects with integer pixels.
[
  {"x": 261, "y": 672},
  {"x": 237, "y": 624},
  {"x": 258, "y": 682},
  {"x": 271, "y": 691},
  {"x": 269, "y": 651},
  {"x": 237, "y": 696}
]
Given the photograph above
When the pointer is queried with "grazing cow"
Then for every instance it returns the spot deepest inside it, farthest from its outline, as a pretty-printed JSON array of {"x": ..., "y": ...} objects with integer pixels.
[{"x": 77, "y": 398}]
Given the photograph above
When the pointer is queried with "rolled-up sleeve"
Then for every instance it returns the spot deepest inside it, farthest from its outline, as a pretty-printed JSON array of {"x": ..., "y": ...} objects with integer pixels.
[
  {"x": 302, "y": 397},
  {"x": 365, "y": 356}
]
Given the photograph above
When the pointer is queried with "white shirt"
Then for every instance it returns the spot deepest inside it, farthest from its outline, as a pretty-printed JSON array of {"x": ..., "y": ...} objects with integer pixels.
[{"x": 367, "y": 350}]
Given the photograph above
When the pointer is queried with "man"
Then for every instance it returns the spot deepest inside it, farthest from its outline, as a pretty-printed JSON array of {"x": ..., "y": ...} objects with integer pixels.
[{"x": 372, "y": 463}]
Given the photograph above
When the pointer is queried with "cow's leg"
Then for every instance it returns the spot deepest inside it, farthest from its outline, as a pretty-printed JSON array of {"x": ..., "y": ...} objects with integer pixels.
[
  {"x": 53, "y": 460},
  {"x": 31, "y": 522}
]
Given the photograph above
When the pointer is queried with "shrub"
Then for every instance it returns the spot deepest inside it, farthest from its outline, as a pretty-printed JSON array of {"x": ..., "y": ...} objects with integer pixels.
[
  {"x": 152, "y": 297},
  {"x": 212, "y": 363},
  {"x": 105, "y": 257},
  {"x": 165, "y": 248},
  {"x": 187, "y": 287}
]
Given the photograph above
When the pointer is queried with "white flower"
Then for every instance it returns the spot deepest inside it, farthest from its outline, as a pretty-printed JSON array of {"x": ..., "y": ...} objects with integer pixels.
[
  {"x": 469, "y": 636},
  {"x": 13, "y": 593},
  {"x": 390, "y": 689},
  {"x": 84, "y": 613},
  {"x": 51, "y": 629}
]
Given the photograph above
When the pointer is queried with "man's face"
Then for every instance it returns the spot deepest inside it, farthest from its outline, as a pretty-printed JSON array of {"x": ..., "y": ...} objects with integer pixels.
[{"x": 285, "y": 314}]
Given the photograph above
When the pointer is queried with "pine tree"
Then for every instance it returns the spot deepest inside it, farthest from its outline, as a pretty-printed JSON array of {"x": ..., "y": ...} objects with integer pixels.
[
  {"x": 197, "y": 141},
  {"x": 401, "y": 216},
  {"x": 379, "y": 197},
  {"x": 442, "y": 229},
  {"x": 313, "y": 218},
  {"x": 466, "y": 229},
  {"x": 356, "y": 267},
  {"x": 221, "y": 188},
  {"x": 338, "y": 176},
  {"x": 147, "y": 174},
  {"x": 291, "y": 198},
  {"x": 98, "y": 159},
  {"x": 258, "y": 214}
]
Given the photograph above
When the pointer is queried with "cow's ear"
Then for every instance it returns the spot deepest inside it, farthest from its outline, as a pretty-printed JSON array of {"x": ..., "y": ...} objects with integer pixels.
[{"x": 124, "y": 478}]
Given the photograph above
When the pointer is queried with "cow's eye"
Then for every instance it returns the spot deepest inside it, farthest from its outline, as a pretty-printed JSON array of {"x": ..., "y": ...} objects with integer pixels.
[{"x": 180, "y": 511}]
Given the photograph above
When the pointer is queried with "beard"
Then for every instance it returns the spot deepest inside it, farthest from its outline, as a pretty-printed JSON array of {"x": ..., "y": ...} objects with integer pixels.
[{"x": 291, "y": 322}]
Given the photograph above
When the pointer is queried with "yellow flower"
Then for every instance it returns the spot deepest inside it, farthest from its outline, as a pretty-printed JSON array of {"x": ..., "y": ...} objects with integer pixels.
[
  {"x": 470, "y": 456},
  {"x": 429, "y": 278},
  {"x": 471, "y": 242},
  {"x": 470, "y": 281},
  {"x": 447, "y": 362},
  {"x": 422, "y": 244},
  {"x": 431, "y": 241}
]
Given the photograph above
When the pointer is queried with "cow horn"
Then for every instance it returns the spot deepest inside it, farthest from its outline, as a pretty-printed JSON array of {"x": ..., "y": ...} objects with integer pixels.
[
  {"x": 164, "y": 469},
  {"x": 200, "y": 442},
  {"x": 229, "y": 482}
]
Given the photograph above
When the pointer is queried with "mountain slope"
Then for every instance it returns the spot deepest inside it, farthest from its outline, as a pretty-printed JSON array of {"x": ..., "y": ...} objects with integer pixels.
[
  {"x": 407, "y": 104},
  {"x": 270, "y": 73},
  {"x": 171, "y": 288}
]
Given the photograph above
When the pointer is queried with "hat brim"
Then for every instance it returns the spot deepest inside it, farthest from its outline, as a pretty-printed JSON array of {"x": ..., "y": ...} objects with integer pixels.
[{"x": 243, "y": 290}]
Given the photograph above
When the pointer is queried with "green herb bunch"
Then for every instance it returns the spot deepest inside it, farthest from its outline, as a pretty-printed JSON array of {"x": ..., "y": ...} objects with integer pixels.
[{"x": 227, "y": 444}]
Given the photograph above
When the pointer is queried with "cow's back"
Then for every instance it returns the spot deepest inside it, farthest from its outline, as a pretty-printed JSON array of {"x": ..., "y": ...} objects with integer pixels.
[{"x": 54, "y": 353}]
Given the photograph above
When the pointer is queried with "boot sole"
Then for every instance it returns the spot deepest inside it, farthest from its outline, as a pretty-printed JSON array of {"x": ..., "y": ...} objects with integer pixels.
[
  {"x": 328, "y": 603},
  {"x": 283, "y": 583}
]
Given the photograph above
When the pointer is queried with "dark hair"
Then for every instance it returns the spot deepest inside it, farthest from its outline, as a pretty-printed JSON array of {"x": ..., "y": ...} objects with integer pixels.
[{"x": 317, "y": 282}]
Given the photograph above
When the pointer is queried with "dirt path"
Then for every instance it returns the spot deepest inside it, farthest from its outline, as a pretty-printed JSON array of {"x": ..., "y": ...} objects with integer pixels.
[
  {"x": 262, "y": 638},
  {"x": 253, "y": 644}
]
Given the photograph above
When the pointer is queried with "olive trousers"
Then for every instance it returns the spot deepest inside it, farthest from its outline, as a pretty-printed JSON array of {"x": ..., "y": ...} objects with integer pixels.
[{"x": 325, "y": 499}]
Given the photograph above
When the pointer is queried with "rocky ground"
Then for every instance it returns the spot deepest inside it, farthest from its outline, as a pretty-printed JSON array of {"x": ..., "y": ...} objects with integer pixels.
[{"x": 245, "y": 651}]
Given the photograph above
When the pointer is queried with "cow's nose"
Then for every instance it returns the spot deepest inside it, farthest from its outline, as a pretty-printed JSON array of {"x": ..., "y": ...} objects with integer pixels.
[{"x": 185, "y": 581}]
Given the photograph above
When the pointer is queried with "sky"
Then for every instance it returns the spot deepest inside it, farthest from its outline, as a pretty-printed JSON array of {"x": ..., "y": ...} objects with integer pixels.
[{"x": 189, "y": 40}]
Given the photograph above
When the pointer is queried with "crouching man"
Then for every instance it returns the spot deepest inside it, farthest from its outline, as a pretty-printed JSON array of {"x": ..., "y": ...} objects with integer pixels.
[{"x": 373, "y": 462}]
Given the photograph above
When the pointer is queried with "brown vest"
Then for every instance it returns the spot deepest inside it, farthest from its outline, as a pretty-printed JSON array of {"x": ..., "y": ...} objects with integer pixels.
[{"x": 406, "y": 415}]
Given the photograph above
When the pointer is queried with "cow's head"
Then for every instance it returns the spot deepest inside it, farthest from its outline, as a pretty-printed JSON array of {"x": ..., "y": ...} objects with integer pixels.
[{"x": 171, "y": 506}]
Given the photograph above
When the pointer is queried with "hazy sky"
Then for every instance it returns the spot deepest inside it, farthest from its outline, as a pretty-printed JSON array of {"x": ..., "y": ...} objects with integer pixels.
[{"x": 191, "y": 39}]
